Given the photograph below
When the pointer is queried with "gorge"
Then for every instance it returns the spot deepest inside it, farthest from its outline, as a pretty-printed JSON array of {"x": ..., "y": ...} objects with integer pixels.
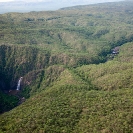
[{"x": 67, "y": 71}]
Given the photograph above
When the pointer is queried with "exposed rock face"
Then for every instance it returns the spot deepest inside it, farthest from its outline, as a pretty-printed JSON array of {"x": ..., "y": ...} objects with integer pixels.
[{"x": 116, "y": 50}]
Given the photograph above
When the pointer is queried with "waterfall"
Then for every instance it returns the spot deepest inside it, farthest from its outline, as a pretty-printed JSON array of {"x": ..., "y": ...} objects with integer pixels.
[{"x": 19, "y": 83}]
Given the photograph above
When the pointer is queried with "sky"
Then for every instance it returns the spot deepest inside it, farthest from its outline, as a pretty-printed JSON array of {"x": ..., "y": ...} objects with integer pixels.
[
  {"x": 43, "y": 5},
  {"x": 89, "y": 1}
]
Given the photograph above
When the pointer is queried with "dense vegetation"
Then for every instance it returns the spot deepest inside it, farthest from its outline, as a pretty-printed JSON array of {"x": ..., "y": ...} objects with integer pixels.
[
  {"x": 7, "y": 102},
  {"x": 86, "y": 33},
  {"x": 77, "y": 69}
]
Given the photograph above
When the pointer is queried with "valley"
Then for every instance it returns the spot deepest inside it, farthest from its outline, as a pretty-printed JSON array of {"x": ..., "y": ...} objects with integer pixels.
[{"x": 67, "y": 71}]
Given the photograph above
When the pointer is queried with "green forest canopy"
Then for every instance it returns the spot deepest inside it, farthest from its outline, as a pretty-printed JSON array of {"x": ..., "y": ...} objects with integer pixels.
[{"x": 72, "y": 80}]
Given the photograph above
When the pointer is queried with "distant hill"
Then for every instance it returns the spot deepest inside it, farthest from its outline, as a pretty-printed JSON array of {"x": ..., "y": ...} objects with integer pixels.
[{"x": 33, "y": 5}]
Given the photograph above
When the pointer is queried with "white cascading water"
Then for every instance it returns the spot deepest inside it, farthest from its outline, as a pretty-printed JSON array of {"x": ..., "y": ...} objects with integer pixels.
[{"x": 19, "y": 83}]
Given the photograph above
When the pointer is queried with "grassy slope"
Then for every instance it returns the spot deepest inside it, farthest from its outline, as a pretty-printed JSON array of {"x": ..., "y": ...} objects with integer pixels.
[
  {"x": 115, "y": 74},
  {"x": 72, "y": 108}
]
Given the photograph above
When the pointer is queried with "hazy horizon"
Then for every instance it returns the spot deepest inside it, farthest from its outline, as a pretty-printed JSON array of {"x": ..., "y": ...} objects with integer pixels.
[{"x": 43, "y": 5}]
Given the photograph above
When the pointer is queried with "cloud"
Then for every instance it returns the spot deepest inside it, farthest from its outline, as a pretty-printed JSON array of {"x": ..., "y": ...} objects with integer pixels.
[
  {"x": 62, "y": 1},
  {"x": 35, "y": 0},
  {"x": 6, "y": 0},
  {"x": 26, "y": 0}
]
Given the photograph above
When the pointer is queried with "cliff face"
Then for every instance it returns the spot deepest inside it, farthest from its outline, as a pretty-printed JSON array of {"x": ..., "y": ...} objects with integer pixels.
[{"x": 17, "y": 61}]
